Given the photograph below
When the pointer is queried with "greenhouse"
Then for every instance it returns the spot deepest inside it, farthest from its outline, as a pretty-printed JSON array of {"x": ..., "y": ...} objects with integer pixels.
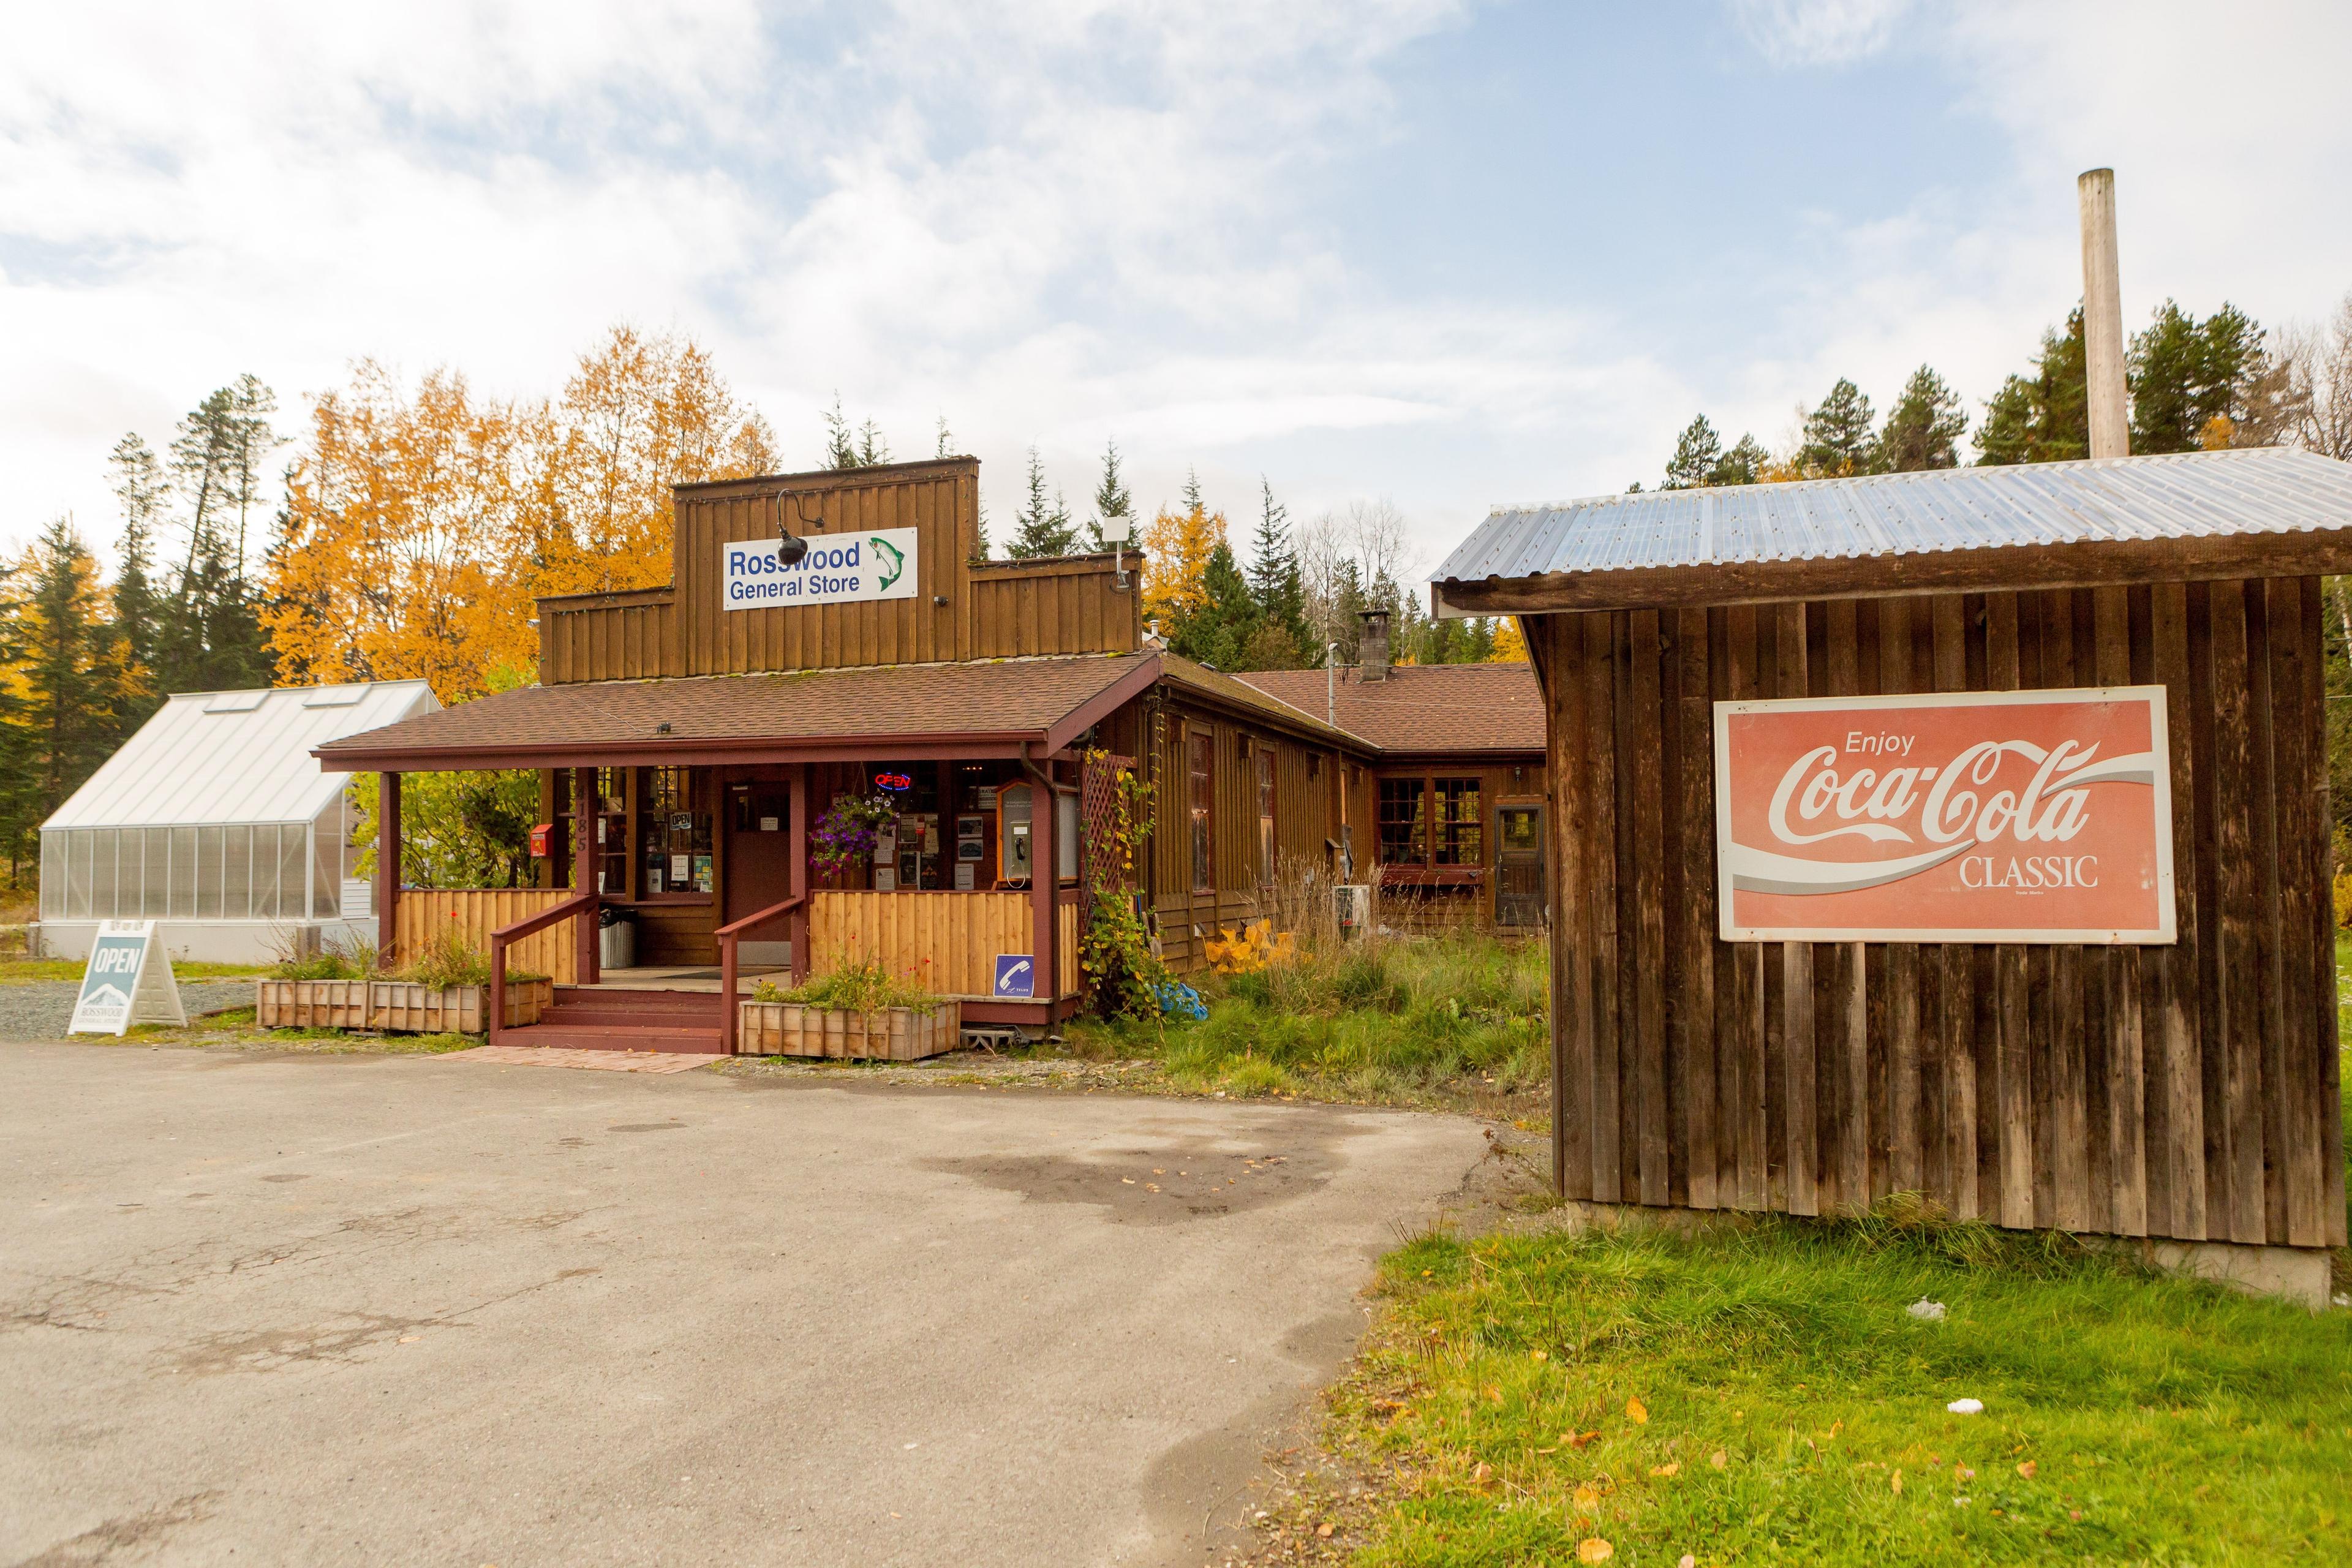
[{"x": 215, "y": 820}]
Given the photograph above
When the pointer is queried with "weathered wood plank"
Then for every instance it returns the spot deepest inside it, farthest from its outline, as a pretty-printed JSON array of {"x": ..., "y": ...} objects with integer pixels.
[
  {"x": 1645, "y": 790},
  {"x": 2124, "y": 1130},
  {"x": 2240, "y": 966},
  {"x": 1798, "y": 1042},
  {"x": 2298, "y": 753},
  {"x": 1695, "y": 809},
  {"x": 1600, "y": 747},
  {"x": 2013, "y": 1201}
]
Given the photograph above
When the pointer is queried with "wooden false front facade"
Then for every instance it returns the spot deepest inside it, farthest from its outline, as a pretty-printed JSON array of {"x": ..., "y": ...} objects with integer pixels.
[{"x": 2186, "y": 1092}]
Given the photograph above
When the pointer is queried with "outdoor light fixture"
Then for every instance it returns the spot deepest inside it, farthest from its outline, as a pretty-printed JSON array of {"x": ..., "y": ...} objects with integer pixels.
[{"x": 791, "y": 548}]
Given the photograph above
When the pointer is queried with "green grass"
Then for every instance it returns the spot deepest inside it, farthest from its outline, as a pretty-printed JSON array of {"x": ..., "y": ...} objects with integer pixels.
[
  {"x": 1395, "y": 1019},
  {"x": 17, "y": 971},
  {"x": 2162, "y": 1420}
]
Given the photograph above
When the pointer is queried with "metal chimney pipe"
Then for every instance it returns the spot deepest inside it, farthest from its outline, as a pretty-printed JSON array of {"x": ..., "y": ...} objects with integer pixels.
[{"x": 2103, "y": 317}]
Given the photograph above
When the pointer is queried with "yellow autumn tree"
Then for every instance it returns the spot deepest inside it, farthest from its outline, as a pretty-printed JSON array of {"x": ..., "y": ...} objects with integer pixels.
[
  {"x": 421, "y": 525},
  {"x": 1510, "y": 643},
  {"x": 638, "y": 416},
  {"x": 1177, "y": 545},
  {"x": 399, "y": 557}
]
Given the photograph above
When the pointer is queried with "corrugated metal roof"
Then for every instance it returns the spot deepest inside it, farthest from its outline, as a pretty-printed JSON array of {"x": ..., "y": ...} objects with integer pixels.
[
  {"x": 212, "y": 757},
  {"x": 2260, "y": 490}
]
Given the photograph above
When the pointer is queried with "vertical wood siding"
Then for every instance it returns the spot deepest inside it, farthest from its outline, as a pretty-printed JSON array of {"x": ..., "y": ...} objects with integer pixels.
[
  {"x": 2188, "y": 1092},
  {"x": 475, "y": 912},
  {"x": 949, "y": 941},
  {"x": 961, "y": 609}
]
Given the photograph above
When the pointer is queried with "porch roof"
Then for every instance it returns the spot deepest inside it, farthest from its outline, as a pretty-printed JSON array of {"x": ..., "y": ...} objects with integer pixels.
[{"x": 993, "y": 708}]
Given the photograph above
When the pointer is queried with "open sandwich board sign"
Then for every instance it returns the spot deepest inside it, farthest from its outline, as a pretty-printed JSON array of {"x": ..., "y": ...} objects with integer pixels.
[{"x": 126, "y": 980}]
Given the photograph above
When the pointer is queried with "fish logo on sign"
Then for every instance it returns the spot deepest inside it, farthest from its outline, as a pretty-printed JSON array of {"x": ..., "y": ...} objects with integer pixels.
[
  {"x": 893, "y": 561},
  {"x": 1016, "y": 976}
]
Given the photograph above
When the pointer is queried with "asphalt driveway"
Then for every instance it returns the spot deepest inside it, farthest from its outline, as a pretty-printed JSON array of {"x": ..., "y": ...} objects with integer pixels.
[{"x": 289, "y": 1308}]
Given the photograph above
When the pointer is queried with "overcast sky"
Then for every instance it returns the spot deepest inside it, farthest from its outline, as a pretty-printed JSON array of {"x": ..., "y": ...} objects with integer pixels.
[{"x": 1447, "y": 253}]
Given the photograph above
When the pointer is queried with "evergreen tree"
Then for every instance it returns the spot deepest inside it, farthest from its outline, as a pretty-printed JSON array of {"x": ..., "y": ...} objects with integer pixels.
[
  {"x": 2184, "y": 375},
  {"x": 1924, "y": 428},
  {"x": 71, "y": 671},
  {"x": 1278, "y": 589},
  {"x": 862, "y": 448},
  {"x": 1111, "y": 497},
  {"x": 1697, "y": 454},
  {"x": 2045, "y": 418},
  {"x": 1743, "y": 464},
  {"x": 1838, "y": 438},
  {"x": 208, "y": 633},
  {"x": 138, "y": 600},
  {"x": 1041, "y": 530},
  {"x": 1221, "y": 631}
]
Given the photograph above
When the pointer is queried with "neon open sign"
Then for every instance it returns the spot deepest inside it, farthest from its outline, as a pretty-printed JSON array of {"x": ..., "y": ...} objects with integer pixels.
[{"x": 897, "y": 782}]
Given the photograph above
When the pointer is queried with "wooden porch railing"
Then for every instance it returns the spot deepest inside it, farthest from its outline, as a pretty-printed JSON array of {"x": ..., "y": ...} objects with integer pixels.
[
  {"x": 579, "y": 904},
  {"x": 473, "y": 914},
  {"x": 729, "y": 1014}
]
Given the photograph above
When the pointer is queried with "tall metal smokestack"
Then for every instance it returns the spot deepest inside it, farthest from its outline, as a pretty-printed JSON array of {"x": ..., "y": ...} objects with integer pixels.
[{"x": 2103, "y": 317}]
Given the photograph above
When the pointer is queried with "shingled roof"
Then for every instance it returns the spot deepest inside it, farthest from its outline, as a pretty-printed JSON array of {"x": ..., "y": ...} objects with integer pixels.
[
  {"x": 1423, "y": 707},
  {"x": 874, "y": 710}
]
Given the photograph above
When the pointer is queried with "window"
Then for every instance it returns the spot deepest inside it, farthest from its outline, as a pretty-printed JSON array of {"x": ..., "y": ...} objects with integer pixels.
[
  {"x": 1200, "y": 756},
  {"x": 1461, "y": 826},
  {"x": 1431, "y": 822},
  {"x": 1266, "y": 815},
  {"x": 1405, "y": 831},
  {"x": 676, "y": 836}
]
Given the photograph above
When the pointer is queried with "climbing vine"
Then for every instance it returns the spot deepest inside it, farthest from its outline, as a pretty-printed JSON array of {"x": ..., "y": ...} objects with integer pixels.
[{"x": 1117, "y": 949}]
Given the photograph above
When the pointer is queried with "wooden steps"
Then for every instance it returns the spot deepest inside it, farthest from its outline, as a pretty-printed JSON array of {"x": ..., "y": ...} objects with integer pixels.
[{"x": 585, "y": 1019}]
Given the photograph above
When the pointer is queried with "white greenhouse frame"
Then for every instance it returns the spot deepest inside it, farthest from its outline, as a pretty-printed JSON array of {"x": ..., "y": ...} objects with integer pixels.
[{"x": 215, "y": 821}]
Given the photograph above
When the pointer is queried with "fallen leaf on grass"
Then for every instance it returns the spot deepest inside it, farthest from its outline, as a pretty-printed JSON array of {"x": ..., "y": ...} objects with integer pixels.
[
  {"x": 1587, "y": 1497},
  {"x": 1593, "y": 1548},
  {"x": 1898, "y": 1483},
  {"x": 1686, "y": 1560},
  {"x": 1578, "y": 1440},
  {"x": 1538, "y": 1355},
  {"x": 2027, "y": 1469},
  {"x": 1675, "y": 1469},
  {"x": 1494, "y": 1392},
  {"x": 1483, "y": 1474},
  {"x": 1637, "y": 1412},
  {"x": 1719, "y": 1458},
  {"x": 1323, "y": 1530}
]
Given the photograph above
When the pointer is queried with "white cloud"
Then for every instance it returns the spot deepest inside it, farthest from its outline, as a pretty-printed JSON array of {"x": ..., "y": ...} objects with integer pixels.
[
  {"x": 1818, "y": 32},
  {"x": 1053, "y": 223}
]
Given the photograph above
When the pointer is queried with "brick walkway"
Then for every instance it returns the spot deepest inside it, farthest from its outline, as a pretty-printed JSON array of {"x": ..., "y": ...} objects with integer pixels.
[{"x": 610, "y": 1061}]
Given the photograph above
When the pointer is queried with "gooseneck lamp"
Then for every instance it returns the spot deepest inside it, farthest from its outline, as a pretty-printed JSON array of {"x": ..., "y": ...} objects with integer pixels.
[{"x": 791, "y": 548}]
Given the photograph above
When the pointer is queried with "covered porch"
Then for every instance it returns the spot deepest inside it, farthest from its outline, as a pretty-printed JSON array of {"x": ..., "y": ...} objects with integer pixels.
[{"x": 696, "y": 832}]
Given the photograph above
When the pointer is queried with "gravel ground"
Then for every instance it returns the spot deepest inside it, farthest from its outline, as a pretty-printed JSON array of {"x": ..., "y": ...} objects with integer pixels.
[{"x": 40, "y": 1009}]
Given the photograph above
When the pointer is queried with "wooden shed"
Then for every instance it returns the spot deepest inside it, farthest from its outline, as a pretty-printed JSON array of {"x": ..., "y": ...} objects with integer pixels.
[{"x": 2147, "y": 1051}]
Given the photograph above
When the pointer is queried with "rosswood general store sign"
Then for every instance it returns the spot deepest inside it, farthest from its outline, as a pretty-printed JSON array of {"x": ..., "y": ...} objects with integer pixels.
[
  {"x": 2016, "y": 817},
  {"x": 839, "y": 569}
]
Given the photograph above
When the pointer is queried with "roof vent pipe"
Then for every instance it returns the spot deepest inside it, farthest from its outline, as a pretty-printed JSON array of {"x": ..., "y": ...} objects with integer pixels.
[
  {"x": 1372, "y": 649},
  {"x": 2103, "y": 317}
]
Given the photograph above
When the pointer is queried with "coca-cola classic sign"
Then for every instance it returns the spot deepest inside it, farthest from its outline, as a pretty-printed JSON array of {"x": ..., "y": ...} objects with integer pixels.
[{"x": 2024, "y": 816}]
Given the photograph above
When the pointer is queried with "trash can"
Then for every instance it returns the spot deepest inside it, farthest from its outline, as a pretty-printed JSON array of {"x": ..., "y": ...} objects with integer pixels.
[{"x": 616, "y": 938}]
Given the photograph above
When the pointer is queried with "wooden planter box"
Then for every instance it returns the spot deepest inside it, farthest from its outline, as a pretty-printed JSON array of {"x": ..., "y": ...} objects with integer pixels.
[
  {"x": 891, "y": 1035},
  {"x": 396, "y": 1005}
]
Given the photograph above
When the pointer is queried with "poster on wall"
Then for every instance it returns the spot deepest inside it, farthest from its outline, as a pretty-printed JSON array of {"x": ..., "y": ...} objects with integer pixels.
[
  {"x": 1994, "y": 816},
  {"x": 839, "y": 569}
]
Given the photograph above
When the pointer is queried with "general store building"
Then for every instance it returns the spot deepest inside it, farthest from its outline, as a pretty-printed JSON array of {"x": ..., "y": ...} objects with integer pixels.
[{"x": 688, "y": 737}]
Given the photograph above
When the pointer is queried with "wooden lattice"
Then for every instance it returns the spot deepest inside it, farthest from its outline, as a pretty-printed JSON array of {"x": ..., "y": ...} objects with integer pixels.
[{"x": 1099, "y": 812}]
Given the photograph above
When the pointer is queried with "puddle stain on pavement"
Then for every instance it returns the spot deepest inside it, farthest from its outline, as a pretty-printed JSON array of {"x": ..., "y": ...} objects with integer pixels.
[{"x": 1172, "y": 1182}]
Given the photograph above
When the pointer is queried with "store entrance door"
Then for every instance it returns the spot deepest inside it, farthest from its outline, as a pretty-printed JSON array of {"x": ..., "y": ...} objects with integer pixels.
[{"x": 759, "y": 864}]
